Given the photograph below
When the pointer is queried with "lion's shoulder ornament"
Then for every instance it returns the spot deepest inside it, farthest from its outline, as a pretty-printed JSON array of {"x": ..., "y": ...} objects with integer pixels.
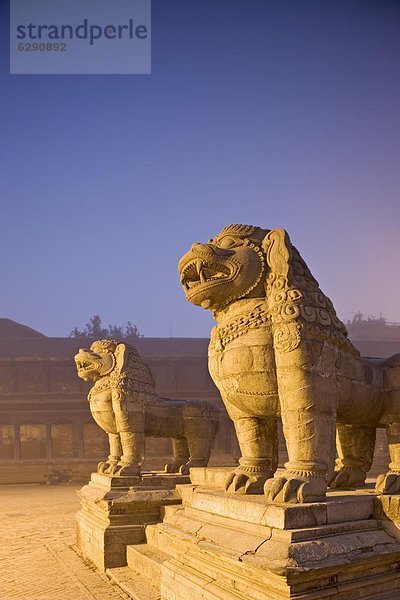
[{"x": 295, "y": 301}]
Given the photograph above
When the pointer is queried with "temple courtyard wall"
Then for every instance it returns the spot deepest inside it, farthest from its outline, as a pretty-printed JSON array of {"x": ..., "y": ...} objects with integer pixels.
[{"x": 47, "y": 433}]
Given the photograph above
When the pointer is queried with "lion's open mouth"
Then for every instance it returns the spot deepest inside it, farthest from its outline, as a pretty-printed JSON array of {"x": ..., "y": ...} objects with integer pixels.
[
  {"x": 201, "y": 272},
  {"x": 84, "y": 365}
]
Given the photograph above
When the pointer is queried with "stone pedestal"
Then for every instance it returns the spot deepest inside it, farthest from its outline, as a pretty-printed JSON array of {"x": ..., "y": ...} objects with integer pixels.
[
  {"x": 218, "y": 546},
  {"x": 115, "y": 510}
]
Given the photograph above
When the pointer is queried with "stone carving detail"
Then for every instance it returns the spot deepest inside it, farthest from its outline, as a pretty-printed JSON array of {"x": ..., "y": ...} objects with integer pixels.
[
  {"x": 123, "y": 403},
  {"x": 279, "y": 350}
]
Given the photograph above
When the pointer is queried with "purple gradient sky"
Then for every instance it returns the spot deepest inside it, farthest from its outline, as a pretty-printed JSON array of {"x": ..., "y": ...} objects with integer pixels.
[{"x": 280, "y": 114}]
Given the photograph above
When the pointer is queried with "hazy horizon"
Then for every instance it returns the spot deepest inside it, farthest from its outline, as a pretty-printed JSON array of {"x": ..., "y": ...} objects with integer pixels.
[{"x": 264, "y": 113}]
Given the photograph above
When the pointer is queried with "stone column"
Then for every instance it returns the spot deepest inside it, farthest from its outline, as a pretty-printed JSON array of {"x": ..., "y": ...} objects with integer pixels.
[
  {"x": 17, "y": 442},
  {"x": 48, "y": 441}
]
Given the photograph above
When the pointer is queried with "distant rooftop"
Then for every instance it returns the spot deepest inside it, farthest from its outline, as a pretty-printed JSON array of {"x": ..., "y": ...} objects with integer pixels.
[
  {"x": 371, "y": 328},
  {"x": 19, "y": 341},
  {"x": 12, "y": 329}
]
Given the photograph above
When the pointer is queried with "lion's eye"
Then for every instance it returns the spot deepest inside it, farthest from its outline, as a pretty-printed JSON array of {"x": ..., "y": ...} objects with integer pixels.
[{"x": 229, "y": 242}]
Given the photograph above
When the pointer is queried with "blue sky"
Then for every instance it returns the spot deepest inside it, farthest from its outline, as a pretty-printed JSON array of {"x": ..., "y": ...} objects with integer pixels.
[{"x": 278, "y": 114}]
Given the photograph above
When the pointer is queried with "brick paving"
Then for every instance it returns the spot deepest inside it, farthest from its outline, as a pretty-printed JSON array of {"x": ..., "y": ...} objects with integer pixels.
[{"x": 37, "y": 559}]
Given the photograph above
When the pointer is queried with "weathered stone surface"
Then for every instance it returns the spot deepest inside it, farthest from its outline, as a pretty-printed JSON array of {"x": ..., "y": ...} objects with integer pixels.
[
  {"x": 115, "y": 510},
  {"x": 123, "y": 402},
  {"x": 109, "y": 482},
  {"x": 278, "y": 350},
  {"x": 210, "y": 476},
  {"x": 146, "y": 560},
  {"x": 224, "y": 546}
]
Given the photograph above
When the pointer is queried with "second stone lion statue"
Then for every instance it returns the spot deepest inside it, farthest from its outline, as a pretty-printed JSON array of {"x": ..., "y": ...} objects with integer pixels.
[
  {"x": 123, "y": 402},
  {"x": 279, "y": 350}
]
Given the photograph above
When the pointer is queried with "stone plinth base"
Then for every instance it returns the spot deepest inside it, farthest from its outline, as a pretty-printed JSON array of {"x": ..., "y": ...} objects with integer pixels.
[
  {"x": 115, "y": 510},
  {"x": 218, "y": 546}
]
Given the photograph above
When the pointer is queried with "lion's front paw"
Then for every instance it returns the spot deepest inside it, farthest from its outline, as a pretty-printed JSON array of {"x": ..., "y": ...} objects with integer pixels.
[
  {"x": 242, "y": 482},
  {"x": 185, "y": 469},
  {"x": 106, "y": 466},
  {"x": 347, "y": 478},
  {"x": 174, "y": 466},
  {"x": 295, "y": 489},
  {"x": 388, "y": 483},
  {"x": 125, "y": 469}
]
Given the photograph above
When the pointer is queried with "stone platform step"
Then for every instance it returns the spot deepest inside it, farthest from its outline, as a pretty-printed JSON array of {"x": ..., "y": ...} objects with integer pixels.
[
  {"x": 168, "y": 510},
  {"x": 136, "y": 586},
  {"x": 244, "y": 547},
  {"x": 231, "y": 564},
  {"x": 219, "y": 546},
  {"x": 165, "y": 537},
  {"x": 339, "y": 507},
  {"x": 321, "y": 547},
  {"x": 146, "y": 560}
]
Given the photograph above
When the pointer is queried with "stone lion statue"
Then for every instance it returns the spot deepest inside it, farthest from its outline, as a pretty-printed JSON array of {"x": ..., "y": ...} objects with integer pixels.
[
  {"x": 279, "y": 351},
  {"x": 123, "y": 403}
]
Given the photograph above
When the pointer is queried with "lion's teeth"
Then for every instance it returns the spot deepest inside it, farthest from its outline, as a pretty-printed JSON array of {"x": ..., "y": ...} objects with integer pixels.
[
  {"x": 202, "y": 276},
  {"x": 199, "y": 265}
]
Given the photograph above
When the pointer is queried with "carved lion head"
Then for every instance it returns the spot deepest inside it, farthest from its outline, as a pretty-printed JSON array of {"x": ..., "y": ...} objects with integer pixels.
[
  {"x": 242, "y": 262},
  {"x": 111, "y": 358},
  {"x": 96, "y": 362},
  {"x": 233, "y": 265}
]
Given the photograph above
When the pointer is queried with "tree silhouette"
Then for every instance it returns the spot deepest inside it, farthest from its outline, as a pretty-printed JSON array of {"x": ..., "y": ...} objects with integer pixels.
[{"x": 95, "y": 331}]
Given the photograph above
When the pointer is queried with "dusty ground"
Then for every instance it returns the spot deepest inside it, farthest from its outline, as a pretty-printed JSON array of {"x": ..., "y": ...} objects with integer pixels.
[{"x": 37, "y": 529}]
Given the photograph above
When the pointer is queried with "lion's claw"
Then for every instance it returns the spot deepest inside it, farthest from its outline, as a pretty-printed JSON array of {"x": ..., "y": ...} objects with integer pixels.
[
  {"x": 106, "y": 466},
  {"x": 240, "y": 482},
  {"x": 184, "y": 469},
  {"x": 388, "y": 483},
  {"x": 173, "y": 466},
  {"x": 347, "y": 478},
  {"x": 295, "y": 489},
  {"x": 115, "y": 470},
  {"x": 130, "y": 470},
  {"x": 118, "y": 469}
]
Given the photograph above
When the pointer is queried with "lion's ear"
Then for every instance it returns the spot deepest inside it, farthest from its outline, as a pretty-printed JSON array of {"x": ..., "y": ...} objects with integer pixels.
[
  {"x": 120, "y": 353},
  {"x": 278, "y": 250}
]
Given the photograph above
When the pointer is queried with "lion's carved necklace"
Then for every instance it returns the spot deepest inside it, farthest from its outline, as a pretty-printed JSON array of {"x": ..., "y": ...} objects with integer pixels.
[{"x": 222, "y": 335}]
